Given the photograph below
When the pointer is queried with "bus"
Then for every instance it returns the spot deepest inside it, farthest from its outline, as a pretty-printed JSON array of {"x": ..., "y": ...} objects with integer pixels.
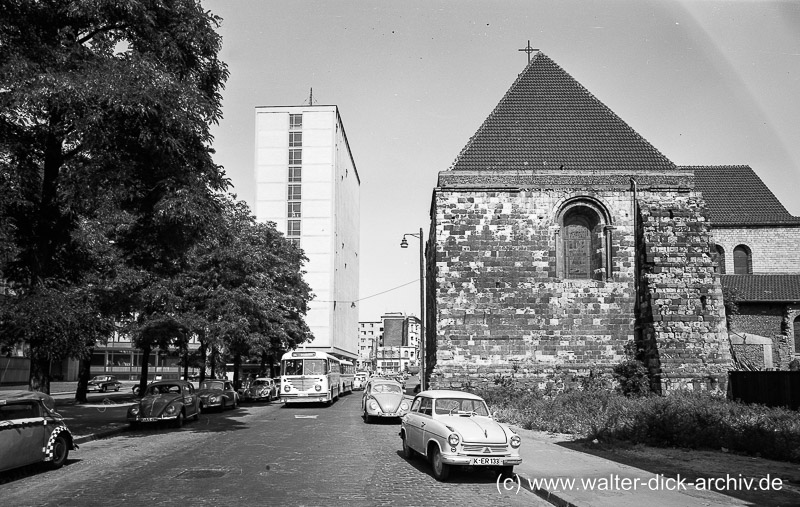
[
  {"x": 309, "y": 376},
  {"x": 347, "y": 375}
]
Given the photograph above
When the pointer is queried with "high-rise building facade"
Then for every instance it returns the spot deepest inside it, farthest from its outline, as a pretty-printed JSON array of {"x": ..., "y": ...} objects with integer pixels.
[{"x": 308, "y": 185}]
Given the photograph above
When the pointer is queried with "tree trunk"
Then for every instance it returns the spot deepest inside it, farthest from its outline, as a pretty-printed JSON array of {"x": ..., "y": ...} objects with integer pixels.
[
  {"x": 237, "y": 362},
  {"x": 203, "y": 350},
  {"x": 213, "y": 363},
  {"x": 84, "y": 374},
  {"x": 145, "y": 369},
  {"x": 40, "y": 375}
]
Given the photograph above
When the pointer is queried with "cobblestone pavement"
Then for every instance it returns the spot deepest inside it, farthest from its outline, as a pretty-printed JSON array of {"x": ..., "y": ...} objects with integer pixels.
[{"x": 256, "y": 455}]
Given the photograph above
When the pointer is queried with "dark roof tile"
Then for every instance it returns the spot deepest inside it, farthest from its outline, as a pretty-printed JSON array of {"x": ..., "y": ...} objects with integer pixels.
[{"x": 768, "y": 287}]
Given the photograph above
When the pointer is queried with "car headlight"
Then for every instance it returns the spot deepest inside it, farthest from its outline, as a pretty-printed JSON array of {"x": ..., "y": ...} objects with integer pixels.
[
  {"x": 404, "y": 406},
  {"x": 515, "y": 441},
  {"x": 133, "y": 410},
  {"x": 373, "y": 404},
  {"x": 286, "y": 388},
  {"x": 171, "y": 410},
  {"x": 453, "y": 440},
  {"x": 213, "y": 399},
  {"x": 318, "y": 387}
]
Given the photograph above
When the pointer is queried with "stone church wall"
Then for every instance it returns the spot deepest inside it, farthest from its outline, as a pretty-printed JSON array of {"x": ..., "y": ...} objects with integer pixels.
[
  {"x": 500, "y": 308},
  {"x": 774, "y": 249},
  {"x": 684, "y": 334}
]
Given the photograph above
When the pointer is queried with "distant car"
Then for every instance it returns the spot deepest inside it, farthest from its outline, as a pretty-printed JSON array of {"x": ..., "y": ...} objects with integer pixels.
[
  {"x": 454, "y": 428},
  {"x": 261, "y": 389},
  {"x": 218, "y": 394},
  {"x": 167, "y": 400},
  {"x": 383, "y": 398},
  {"x": 359, "y": 380},
  {"x": 31, "y": 431},
  {"x": 104, "y": 383}
]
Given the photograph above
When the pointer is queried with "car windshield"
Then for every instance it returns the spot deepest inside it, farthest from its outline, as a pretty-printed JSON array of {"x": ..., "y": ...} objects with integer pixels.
[
  {"x": 163, "y": 389},
  {"x": 461, "y": 406},
  {"x": 260, "y": 383},
  {"x": 386, "y": 388},
  {"x": 211, "y": 384}
]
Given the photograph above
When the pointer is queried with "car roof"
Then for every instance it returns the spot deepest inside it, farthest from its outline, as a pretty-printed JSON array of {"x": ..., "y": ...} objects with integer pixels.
[
  {"x": 384, "y": 381},
  {"x": 448, "y": 393},
  {"x": 169, "y": 382},
  {"x": 21, "y": 395}
]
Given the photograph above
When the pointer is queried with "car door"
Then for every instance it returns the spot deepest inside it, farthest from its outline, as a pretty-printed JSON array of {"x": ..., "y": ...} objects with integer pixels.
[
  {"x": 190, "y": 400},
  {"x": 22, "y": 434},
  {"x": 416, "y": 421}
]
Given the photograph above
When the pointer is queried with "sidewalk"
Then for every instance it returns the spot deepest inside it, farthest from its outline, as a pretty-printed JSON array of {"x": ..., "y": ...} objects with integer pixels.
[
  {"x": 103, "y": 416},
  {"x": 543, "y": 458}
]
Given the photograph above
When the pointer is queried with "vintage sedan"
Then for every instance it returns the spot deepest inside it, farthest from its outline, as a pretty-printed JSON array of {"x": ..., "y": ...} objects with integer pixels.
[
  {"x": 166, "y": 400},
  {"x": 454, "y": 428},
  {"x": 261, "y": 389},
  {"x": 218, "y": 394},
  {"x": 383, "y": 398},
  {"x": 104, "y": 383},
  {"x": 31, "y": 431}
]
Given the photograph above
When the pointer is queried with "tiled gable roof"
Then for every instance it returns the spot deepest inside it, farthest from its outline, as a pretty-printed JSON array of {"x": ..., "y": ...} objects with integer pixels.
[
  {"x": 547, "y": 120},
  {"x": 735, "y": 195},
  {"x": 778, "y": 288}
]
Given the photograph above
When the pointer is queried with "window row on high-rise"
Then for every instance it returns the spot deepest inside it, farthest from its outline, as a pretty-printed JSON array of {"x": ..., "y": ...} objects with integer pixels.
[{"x": 295, "y": 176}]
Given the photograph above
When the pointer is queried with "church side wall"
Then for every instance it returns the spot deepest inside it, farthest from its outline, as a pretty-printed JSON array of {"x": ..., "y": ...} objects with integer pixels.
[
  {"x": 501, "y": 310},
  {"x": 684, "y": 332},
  {"x": 773, "y": 249}
]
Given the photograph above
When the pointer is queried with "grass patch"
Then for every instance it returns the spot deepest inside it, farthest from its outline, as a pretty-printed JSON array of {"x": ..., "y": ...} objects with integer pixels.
[{"x": 682, "y": 419}]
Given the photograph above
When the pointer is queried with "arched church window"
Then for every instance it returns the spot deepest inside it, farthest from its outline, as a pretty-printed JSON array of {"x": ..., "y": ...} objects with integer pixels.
[
  {"x": 718, "y": 256},
  {"x": 582, "y": 243},
  {"x": 797, "y": 335},
  {"x": 742, "y": 260}
]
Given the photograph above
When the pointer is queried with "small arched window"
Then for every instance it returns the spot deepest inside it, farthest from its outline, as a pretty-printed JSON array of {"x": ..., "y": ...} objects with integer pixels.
[
  {"x": 718, "y": 256},
  {"x": 797, "y": 335},
  {"x": 742, "y": 260},
  {"x": 582, "y": 248}
]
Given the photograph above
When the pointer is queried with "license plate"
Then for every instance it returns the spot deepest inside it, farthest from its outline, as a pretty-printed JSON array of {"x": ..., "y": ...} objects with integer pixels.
[{"x": 486, "y": 461}]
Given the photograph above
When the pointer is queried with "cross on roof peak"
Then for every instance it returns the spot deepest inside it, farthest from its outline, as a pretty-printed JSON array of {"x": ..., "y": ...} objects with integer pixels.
[{"x": 528, "y": 49}]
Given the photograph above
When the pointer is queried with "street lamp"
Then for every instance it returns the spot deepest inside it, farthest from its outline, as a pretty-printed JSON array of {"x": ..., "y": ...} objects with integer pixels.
[{"x": 404, "y": 244}]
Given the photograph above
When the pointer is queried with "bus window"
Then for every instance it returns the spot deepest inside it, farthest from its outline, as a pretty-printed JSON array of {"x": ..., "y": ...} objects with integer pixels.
[
  {"x": 316, "y": 367},
  {"x": 293, "y": 367}
]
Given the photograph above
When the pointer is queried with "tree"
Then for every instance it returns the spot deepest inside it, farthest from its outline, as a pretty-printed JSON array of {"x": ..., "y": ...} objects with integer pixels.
[{"x": 102, "y": 102}]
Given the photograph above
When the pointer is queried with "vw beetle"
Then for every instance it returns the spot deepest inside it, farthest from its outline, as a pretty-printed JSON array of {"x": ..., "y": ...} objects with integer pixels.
[
  {"x": 454, "y": 428},
  {"x": 383, "y": 398},
  {"x": 167, "y": 400},
  {"x": 32, "y": 431}
]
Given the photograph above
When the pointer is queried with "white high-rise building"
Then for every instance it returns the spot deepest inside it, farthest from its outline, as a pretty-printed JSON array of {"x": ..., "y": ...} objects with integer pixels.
[{"x": 307, "y": 183}]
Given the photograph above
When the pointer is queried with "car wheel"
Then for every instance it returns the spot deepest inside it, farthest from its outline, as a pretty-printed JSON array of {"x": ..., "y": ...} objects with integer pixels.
[
  {"x": 367, "y": 417},
  {"x": 408, "y": 452},
  {"x": 102, "y": 389},
  {"x": 224, "y": 405},
  {"x": 179, "y": 420},
  {"x": 197, "y": 414},
  {"x": 441, "y": 470},
  {"x": 60, "y": 452},
  {"x": 235, "y": 403},
  {"x": 116, "y": 390}
]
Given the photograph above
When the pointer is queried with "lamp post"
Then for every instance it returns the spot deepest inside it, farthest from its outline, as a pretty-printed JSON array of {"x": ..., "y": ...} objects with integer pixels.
[{"x": 404, "y": 244}]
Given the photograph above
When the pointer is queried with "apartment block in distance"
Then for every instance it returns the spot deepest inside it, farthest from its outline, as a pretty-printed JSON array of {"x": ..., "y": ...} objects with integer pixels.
[{"x": 308, "y": 185}]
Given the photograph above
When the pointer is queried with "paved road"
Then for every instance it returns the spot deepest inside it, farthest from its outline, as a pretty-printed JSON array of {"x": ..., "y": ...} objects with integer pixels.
[{"x": 255, "y": 455}]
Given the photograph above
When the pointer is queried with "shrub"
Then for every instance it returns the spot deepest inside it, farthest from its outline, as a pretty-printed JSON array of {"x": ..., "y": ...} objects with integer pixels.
[{"x": 632, "y": 378}]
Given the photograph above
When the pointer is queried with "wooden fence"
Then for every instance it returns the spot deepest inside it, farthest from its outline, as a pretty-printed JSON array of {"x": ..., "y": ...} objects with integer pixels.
[{"x": 771, "y": 388}]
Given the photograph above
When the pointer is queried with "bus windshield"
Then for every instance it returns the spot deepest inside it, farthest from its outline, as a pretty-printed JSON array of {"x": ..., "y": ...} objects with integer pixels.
[{"x": 305, "y": 367}]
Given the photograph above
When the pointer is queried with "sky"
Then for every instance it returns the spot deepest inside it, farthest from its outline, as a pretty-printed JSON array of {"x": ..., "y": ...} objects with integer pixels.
[{"x": 705, "y": 82}]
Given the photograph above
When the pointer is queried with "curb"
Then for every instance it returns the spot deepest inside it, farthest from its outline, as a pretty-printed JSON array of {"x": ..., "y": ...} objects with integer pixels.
[
  {"x": 99, "y": 435},
  {"x": 544, "y": 494}
]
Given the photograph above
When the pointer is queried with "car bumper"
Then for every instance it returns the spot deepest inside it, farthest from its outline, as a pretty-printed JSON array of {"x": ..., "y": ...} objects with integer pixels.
[
  {"x": 463, "y": 460},
  {"x": 310, "y": 398},
  {"x": 153, "y": 419}
]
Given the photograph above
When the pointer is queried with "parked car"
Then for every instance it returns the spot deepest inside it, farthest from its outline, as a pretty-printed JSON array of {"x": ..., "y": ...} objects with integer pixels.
[
  {"x": 454, "y": 428},
  {"x": 218, "y": 394},
  {"x": 359, "y": 380},
  {"x": 31, "y": 431},
  {"x": 167, "y": 400},
  {"x": 383, "y": 398},
  {"x": 261, "y": 389},
  {"x": 104, "y": 383}
]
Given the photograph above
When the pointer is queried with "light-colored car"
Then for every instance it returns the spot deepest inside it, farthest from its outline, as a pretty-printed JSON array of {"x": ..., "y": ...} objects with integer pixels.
[
  {"x": 454, "y": 428},
  {"x": 260, "y": 389},
  {"x": 31, "y": 431},
  {"x": 104, "y": 383},
  {"x": 383, "y": 398},
  {"x": 359, "y": 381},
  {"x": 217, "y": 394},
  {"x": 166, "y": 400}
]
